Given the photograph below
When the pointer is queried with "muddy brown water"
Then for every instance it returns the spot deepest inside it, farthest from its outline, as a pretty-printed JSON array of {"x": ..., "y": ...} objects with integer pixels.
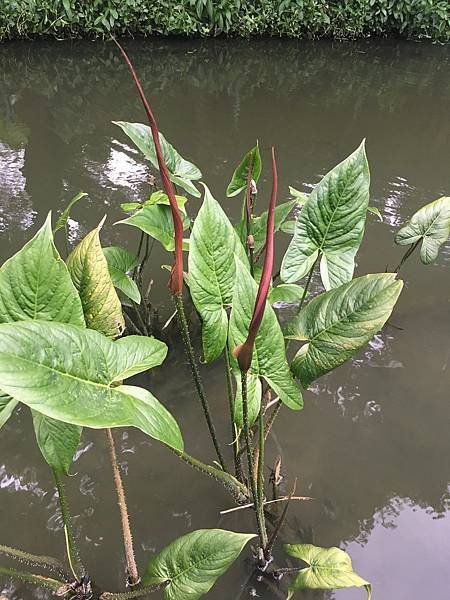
[{"x": 372, "y": 444}]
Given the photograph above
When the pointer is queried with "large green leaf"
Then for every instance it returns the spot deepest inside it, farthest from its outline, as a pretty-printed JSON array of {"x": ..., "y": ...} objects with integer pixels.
[
  {"x": 57, "y": 441},
  {"x": 212, "y": 271},
  {"x": 328, "y": 569},
  {"x": 181, "y": 171},
  {"x": 431, "y": 224},
  {"x": 338, "y": 323},
  {"x": 156, "y": 221},
  {"x": 238, "y": 181},
  {"x": 7, "y": 406},
  {"x": 61, "y": 222},
  {"x": 331, "y": 224},
  {"x": 73, "y": 374},
  {"x": 269, "y": 355},
  {"x": 89, "y": 271},
  {"x": 192, "y": 564},
  {"x": 120, "y": 263},
  {"x": 35, "y": 284}
]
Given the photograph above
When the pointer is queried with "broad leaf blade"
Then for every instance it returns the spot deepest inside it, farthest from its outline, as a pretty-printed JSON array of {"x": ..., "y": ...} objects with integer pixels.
[
  {"x": 192, "y": 564},
  {"x": 338, "y": 323},
  {"x": 286, "y": 293},
  {"x": 331, "y": 224},
  {"x": 431, "y": 224},
  {"x": 57, "y": 441},
  {"x": 7, "y": 406},
  {"x": 35, "y": 284},
  {"x": 69, "y": 373},
  {"x": 138, "y": 354},
  {"x": 328, "y": 569},
  {"x": 259, "y": 224},
  {"x": 238, "y": 181},
  {"x": 120, "y": 263},
  {"x": 269, "y": 355},
  {"x": 89, "y": 271},
  {"x": 212, "y": 271}
]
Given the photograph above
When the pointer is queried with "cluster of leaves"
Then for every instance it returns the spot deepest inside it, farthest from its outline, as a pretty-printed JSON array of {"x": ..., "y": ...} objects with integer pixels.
[{"x": 294, "y": 18}]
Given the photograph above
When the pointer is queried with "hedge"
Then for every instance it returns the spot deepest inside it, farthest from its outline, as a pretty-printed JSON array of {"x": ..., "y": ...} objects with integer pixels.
[{"x": 342, "y": 19}]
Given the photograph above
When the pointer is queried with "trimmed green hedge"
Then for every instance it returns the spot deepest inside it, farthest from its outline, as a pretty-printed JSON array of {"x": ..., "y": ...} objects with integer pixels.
[{"x": 292, "y": 18}]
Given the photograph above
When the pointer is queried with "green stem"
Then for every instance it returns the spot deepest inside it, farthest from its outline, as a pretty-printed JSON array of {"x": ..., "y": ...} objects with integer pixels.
[
  {"x": 179, "y": 304},
  {"x": 230, "y": 392},
  {"x": 75, "y": 563},
  {"x": 136, "y": 269},
  {"x": 261, "y": 442},
  {"x": 134, "y": 593},
  {"x": 35, "y": 560},
  {"x": 132, "y": 570},
  {"x": 260, "y": 521},
  {"x": 407, "y": 255},
  {"x": 305, "y": 291},
  {"x": 40, "y": 580}
]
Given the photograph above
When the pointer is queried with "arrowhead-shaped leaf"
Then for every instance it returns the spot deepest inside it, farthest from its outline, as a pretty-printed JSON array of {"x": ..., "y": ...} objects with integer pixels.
[
  {"x": 156, "y": 221},
  {"x": 269, "y": 355},
  {"x": 212, "y": 271},
  {"x": 328, "y": 569},
  {"x": 431, "y": 224},
  {"x": 181, "y": 171},
  {"x": 71, "y": 374},
  {"x": 89, "y": 271},
  {"x": 238, "y": 182},
  {"x": 7, "y": 406},
  {"x": 192, "y": 564},
  {"x": 120, "y": 263},
  {"x": 331, "y": 224},
  {"x": 57, "y": 441},
  {"x": 336, "y": 324}
]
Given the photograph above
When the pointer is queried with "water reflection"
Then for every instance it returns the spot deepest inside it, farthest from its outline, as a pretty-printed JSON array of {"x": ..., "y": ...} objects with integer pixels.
[{"x": 372, "y": 442}]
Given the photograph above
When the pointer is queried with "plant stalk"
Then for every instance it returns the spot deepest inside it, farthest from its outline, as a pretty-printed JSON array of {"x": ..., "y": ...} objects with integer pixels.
[
  {"x": 183, "y": 324},
  {"x": 234, "y": 434},
  {"x": 35, "y": 560},
  {"x": 134, "y": 593},
  {"x": 407, "y": 255},
  {"x": 27, "y": 577},
  {"x": 305, "y": 291},
  {"x": 132, "y": 570}
]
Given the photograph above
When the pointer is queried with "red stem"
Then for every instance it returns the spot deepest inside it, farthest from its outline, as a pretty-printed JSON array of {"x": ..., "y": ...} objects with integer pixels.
[{"x": 176, "y": 277}]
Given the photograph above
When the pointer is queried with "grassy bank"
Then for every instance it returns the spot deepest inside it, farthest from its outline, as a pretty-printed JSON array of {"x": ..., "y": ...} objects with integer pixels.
[{"x": 342, "y": 19}]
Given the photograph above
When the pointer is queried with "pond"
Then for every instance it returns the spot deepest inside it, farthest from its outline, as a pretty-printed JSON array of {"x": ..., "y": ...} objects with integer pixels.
[{"x": 372, "y": 443}]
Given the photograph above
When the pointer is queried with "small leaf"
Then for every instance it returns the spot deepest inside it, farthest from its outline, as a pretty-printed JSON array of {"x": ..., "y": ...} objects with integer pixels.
[
  {"x": 336, "y": 324},
  {"x": 57, "y": 441},
  {"x": 288, "y": 227},
  {"x": 156, "y": 221},
  {"x": 212, "y": 272},
  {"x": 259, "y": 224},
  {"x": 70, "y": 374},
  {"x": 89, "y": 271},
  {"x": 238, "y": 182},
  {"x": 61, "y": 222},
  {"x": 331, "y": 224},
  {"x": 120, "y": 263},
  {"x": 286, "y": 293},
  {"x": 431, "y": 224},
  {"x": 160, "y": 197},
  {"x": 374, "y": 210},
  {"x": 192, "y": 564},
  {"x": 7, "y": 406},
  {"x": 300, "y": 197},
  {"x": 129, "y": 207},
  {"x": 328, "y": 569},
  {"x": 181, "y": 171}
]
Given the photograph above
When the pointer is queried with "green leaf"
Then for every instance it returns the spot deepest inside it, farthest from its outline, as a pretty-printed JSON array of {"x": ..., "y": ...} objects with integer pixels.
[
  {"x": 61, "y": 222},
  {"x": 192, "y": 564},
  {"x": 431, "y": 224},
  {"x": 71, "y": 374},
  {"x": 120, "y": 263},
  {"x": 35, "y": 284},
  {"x": 254, "y": 392},
  {"x": 340, "y": 322},
  {"x": 156, "y": 221},
  {"x": 160, "y": 197},
  {"x": 181, "y": 171},
  {"x": 57, "y": 441},
  {"x": 374, "y": 210},
  {"x": 238, "y": 182},
  {"x": 331, "y": 224},
  {"x": 288, "y": 227},
  {"x": 89, "y": 271},
  {"x": 328, "y": 569},
  {"x": 128, "y": 207},
  {"x": 269, "y": 355},
  {"x": 289, "y": 293},
  {"x": 301, "y": 197},
  {"x": 259, "y": 224},
  {"x": 7, "y": 406},
  {"x": 212, "y": 271}
]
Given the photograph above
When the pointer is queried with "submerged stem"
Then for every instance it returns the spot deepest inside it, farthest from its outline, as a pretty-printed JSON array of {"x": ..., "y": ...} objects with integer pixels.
[
  {"x": 132, "y": 570},
  {"x": 407, "y": 255},
  {"x": 183, "y": 324}
]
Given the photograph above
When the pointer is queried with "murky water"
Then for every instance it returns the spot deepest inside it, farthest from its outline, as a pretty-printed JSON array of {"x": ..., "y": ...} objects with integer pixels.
[{"x": 372, "y": 443}]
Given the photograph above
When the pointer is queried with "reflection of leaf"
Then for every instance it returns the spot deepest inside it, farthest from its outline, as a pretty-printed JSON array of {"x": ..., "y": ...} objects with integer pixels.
[
  {"x": 192, "y": 564},
  {"x": 328, "y": 569},
  {"x": 331, "y": 224},
  {"x": 73, "y": 374},
  {"x": 238, "y": 181},
  {"x": 431, "y": 224},
  {"x": 336, "y": 324},
  {"x": 120, "y": 263},
  {"x": 89, "y": 271},
  {"x": 181, "y": 171}
]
